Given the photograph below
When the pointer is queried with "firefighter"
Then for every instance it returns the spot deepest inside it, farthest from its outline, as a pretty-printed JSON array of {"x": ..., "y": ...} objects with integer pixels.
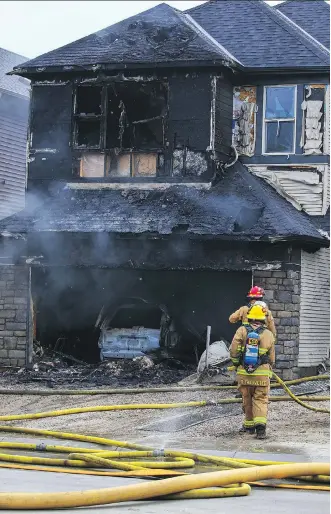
[
  {"x": 255, "y": 295},
  {"x": 252, "y": 352}
]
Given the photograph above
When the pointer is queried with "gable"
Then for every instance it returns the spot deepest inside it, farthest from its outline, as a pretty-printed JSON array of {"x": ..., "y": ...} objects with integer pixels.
[{"x": 159, "y": 35}]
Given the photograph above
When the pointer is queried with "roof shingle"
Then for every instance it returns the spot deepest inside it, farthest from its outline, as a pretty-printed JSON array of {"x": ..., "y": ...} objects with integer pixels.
[
  {"x": 159, "y": 35},
  {"x": 312, "y": 15},
  {"x": 240, "y": 207},
  {"x": 14, "y": 85},
  {"x": 258, "y": 35}
]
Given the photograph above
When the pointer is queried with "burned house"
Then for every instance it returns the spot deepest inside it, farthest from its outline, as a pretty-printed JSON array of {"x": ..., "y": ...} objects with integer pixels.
[{"x": 174, "y": 159}]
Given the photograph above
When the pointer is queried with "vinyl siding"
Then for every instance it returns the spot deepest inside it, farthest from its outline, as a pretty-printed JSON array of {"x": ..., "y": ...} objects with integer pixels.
[
  {"x": 314, "y": 308},
  {"x": 307, "y": 190},
  {"x": 13, "y": 134}
]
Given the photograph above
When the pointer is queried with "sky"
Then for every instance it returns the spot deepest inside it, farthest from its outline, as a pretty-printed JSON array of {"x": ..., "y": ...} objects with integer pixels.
[{"x": 31, "y": 28}]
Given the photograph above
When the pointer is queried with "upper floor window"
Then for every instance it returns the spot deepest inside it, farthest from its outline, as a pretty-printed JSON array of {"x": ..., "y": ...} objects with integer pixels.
[
  {"x": 119, "y": 129},
  {"x": 279, "y": 119}
]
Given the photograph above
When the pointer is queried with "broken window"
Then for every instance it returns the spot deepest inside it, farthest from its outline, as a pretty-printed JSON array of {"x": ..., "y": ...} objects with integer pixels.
[
  {"x": 279, "y": 119},
  {"x": 88, "y": 115},
  {"x": 314, "y": 120},
  {"x": 136, "y": 113},
  {"x": 125, "y": 121}
]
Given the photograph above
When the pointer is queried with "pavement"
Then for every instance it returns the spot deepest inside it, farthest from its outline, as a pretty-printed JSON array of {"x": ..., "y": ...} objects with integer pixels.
[{"x": 277, "y": 501}]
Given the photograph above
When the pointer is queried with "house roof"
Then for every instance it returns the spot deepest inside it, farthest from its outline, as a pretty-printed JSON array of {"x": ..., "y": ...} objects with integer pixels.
[
  {"x": 312, "y": 15},
  {"x": 322, "y": 222},
  {"x": 14, "y": 85},
  {"x": 159, "y": 35},
  {"x": 258, "y": 35},
  {"x": 240, "y": 207}
]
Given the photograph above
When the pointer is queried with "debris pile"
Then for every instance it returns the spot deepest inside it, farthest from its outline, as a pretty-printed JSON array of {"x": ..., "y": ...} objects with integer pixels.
[{"x": 138, "y": 372}]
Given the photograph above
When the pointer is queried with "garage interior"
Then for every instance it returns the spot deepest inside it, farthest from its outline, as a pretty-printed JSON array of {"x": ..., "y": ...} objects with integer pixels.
[{"x": 71, "y": 305}]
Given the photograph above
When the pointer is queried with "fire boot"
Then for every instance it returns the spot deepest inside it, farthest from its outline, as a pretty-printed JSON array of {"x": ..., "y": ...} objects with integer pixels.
[
  {"x": 247, "y": 430},
  {"x": 261, "y": 432}
]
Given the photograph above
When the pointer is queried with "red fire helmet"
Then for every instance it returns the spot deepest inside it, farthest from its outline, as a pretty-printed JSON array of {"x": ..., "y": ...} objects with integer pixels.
[{"x": 256, "y": 292}]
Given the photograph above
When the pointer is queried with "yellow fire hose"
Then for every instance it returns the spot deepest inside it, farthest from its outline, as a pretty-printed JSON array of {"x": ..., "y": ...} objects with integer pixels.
[
  {"x": 142, "y": 390},
  {"x": 144, "y": 462},
  {"x": 296, "y": 399},
  {"x": 105, "y": 408},
  {"x": 195, "y": 484},
  {"x": 140, "y": 406},
  {"x": 77, "y": 456}
]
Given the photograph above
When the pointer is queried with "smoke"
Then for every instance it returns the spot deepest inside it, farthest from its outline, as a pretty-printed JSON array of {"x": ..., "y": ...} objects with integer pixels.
[{"x": 76, "y": 273}]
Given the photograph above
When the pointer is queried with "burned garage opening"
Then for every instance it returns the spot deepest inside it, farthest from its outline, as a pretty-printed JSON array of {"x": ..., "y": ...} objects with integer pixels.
[
  {"x": 121, "y": 128},
  {"x": 96, "y": 314}
]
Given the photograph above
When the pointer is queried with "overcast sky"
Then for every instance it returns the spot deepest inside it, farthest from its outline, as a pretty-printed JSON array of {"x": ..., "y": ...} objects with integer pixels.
[{"x": 31, "y": 28}]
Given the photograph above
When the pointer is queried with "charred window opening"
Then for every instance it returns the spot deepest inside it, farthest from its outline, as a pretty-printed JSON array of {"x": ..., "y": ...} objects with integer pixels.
[
  {"x": 136, "y": 115},
  {"x": 88, "y": 115},
  {"x": 88, "y": 100},
  {"x": 88, "y": 133},
  {"x": 126, "y": 122}
]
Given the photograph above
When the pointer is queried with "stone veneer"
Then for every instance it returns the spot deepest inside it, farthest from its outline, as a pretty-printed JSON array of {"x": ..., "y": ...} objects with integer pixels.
[
  {"x": 283, "y": 298},
  {"x": 14, "y": 284}
]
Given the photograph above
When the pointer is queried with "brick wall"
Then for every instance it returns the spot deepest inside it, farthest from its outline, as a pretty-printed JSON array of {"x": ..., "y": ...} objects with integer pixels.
[
  {"x": 14, "y": 283},
  {"x": 283, "y": 297}
]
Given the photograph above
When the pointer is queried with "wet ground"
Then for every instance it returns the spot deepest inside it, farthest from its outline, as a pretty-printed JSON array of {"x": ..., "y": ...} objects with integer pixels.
[{"x": 291, "y": 428}]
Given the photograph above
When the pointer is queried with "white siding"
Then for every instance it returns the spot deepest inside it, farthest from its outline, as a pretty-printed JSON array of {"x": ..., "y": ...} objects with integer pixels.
[
  {"x": 12, "y": 165},
  {"x": 314, "y": 340},
  {"x": 305, "y": 189}
]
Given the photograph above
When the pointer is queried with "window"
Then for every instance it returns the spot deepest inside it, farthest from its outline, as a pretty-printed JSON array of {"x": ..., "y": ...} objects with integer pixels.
[
  {"x": 119, "y": 129},
  {"x": 279, "y": 120},
  {"x": 88, "y": 115}
]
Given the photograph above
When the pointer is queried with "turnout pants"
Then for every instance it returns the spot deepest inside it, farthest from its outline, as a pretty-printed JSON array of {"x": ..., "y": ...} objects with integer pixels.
[{"x": 255, "y": 404}]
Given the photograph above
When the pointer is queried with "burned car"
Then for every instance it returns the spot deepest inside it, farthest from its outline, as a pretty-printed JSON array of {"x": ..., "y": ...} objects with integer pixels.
[{"x": 127, "y": 343}]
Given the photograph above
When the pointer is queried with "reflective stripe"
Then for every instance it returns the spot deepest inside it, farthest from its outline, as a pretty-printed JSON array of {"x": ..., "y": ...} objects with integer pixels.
[
  {"x": 256, "y": 373},
  {"x": 235, "y": 361},
  {"x": 248, "y": 424},
  {"x": 260, "y": 421},
  {"x": 263, "y": 351}
]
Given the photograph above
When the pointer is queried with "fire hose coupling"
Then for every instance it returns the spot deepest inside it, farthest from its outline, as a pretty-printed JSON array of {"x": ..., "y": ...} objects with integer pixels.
[
  {"x": 42, "y": 447},
  {"x": 159, "y": 453}
]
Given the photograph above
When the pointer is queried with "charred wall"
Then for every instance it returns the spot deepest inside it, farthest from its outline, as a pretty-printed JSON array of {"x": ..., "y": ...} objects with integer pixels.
[
  {"x": 50, "y": 133},
  {"x": 176, "y": 252},
  {"x": 98, "y": 119},
  {"x": 223, "y": 114}
]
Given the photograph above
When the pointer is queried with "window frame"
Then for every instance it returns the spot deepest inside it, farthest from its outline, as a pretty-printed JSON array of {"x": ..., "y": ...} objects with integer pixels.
[
  {"x": 101, "y": 147},
  {"x": 78, "y": 117},
  {"x": 265, "y": 121}
]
